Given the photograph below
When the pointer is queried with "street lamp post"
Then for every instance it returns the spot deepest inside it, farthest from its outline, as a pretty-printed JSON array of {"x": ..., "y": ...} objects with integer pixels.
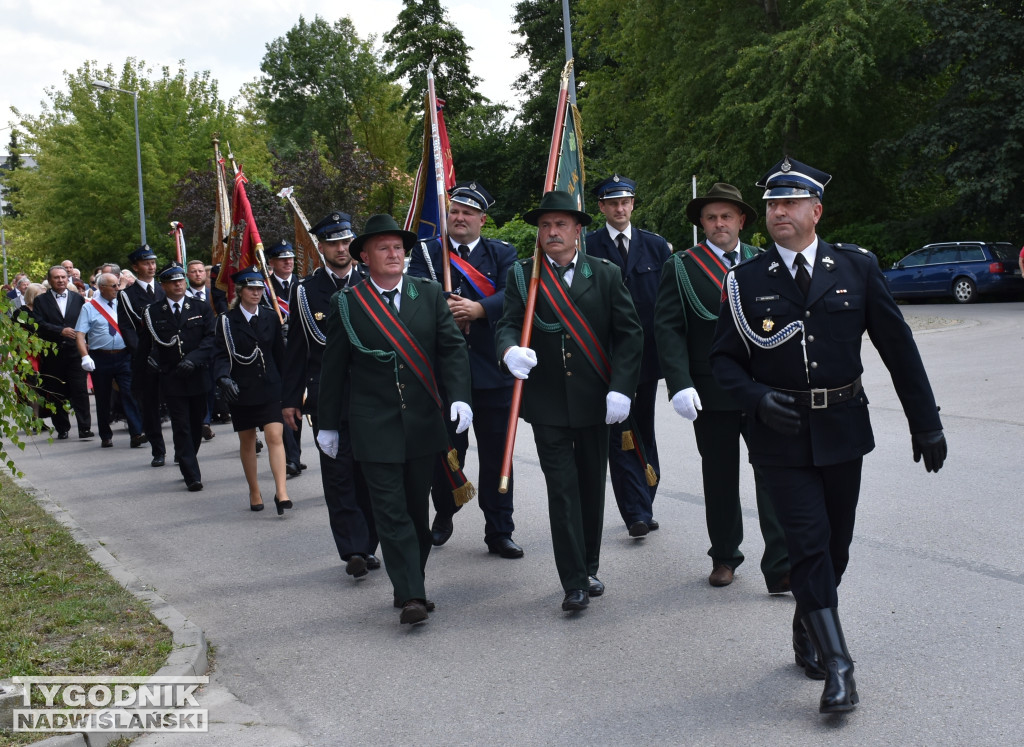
[{"x": 138, "y": 149}]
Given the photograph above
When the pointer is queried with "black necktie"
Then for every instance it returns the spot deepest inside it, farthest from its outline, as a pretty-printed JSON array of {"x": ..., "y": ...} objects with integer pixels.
[
  {"x": 150, "y": 291},
  {"x": 803, "y": 277},
  {"x": 562, "y": 270},
  {"x": 464, "y": 251},
  {"x": 177, "y": 313},
  {"x": 252, "y": 321},
  {"x": 390, "y": 296},
  {"x": 620, "y": 240},
  {"x": 339, "y": 283},
  {"x": 730, "y": 257},
  {"x": 284, "y": 288},
  {"x": 199, "y": 295}
]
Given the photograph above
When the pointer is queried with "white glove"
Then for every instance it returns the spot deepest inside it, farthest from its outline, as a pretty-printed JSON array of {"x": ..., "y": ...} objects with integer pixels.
[
  {"x": 686, "y": 402},
  {"x": 616, "y": 407},
  {"x": 328, "y": 442},
  {"x": 464, "y": 414},
  {"x": 519, "y": 361},
  {"x": 88, "y": 364}
]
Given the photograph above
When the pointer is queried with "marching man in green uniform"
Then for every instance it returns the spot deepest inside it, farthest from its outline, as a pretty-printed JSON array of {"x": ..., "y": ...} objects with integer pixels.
[
  {"x": 689, "y": 299},
  {"x": 581, "y": 372},
  {"x": 387, "y": 338}
]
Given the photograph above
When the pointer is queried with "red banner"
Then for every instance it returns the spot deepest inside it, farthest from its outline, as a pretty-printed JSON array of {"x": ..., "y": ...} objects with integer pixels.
[{"x": 245, "y": 238}]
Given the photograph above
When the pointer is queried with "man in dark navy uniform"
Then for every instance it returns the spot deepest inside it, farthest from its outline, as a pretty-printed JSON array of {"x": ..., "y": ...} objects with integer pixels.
[
  {"x": 345, "y": 492},
  {"x": 787, "y": 347},
  {"x": 281, "y": 259},
  {"x": 640, "y": 255},
  {"x": 132, "y": 303},
  {"x": 479, "y": 268},
  {"x": 177, "y": 343}
]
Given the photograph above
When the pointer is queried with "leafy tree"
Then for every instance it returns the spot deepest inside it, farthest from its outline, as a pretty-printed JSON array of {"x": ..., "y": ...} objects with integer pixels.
[
  {"x": 422, "y": 33},
  {"x": 323, "y": 80},
  {"x": 963, "y": 157},
  {"x": 18, "y": 398},
  {"x": 82, "y": 199}
]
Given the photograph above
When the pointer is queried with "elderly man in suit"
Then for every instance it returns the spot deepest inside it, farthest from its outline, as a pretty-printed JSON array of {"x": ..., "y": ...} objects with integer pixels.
[
  {"x": 345, "y": 491},
  {"x": 639, "y": 255},
  {"x": 56, "y": 312},
  {"x": 177, "y": 343},
  {"x": 686, "y": 314},
  {"x": 388, "y": 338},
  {"x": 787, "y": 348},
  {"x": 580, "y": 369},
  {"x": 479, "y": 267}
]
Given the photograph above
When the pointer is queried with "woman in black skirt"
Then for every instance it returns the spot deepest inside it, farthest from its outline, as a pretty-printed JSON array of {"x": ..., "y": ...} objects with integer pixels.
[{"x": 247, "y": 369}]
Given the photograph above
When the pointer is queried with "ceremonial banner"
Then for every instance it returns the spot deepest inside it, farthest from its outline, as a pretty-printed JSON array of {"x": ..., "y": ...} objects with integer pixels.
[
  {"x": 307, "y": 248},
  {"x": 424, "y": 216},
  {"x": 222, "y": 212},
  {"x": 245, "y": 239}
]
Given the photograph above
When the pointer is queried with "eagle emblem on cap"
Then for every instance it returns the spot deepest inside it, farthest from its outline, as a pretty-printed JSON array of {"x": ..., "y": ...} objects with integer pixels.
[
  {"x": 615, "y": 178},
  {"x": 472, "y": 185},
  {"x": 335, "y": 217},
  {"x": 786, "y": 165}
]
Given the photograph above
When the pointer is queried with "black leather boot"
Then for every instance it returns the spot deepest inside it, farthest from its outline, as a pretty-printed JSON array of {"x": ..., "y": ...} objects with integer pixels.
[
  {"x": 826, "y": 634},
  {"x": 806, "y": 655}
]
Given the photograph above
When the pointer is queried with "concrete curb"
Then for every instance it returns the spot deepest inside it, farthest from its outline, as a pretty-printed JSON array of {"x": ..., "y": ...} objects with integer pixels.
[{"x": 189, "y": 657}]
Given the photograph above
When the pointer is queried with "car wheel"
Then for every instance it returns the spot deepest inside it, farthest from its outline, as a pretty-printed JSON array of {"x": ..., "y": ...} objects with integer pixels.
[{"x": 964, "y": 290}]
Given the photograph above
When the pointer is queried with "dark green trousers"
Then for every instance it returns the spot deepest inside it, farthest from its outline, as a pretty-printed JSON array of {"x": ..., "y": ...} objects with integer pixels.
[
  {"x": 718, "y": 435},
  {"x": 574, "y": 462},
  {"x": 400, "y": 496}
]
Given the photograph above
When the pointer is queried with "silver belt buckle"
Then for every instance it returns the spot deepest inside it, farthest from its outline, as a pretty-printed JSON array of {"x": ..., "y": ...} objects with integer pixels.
[{"x": 819, "y": 399}]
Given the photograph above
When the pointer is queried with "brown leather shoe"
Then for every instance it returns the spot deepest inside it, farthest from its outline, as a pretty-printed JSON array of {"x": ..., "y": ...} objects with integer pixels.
[
  {"x": 722, "y": 575},
  {"x": 413, "y": 612}
]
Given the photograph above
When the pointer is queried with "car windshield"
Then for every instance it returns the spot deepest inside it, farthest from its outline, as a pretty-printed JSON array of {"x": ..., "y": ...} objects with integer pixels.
[{"x": 1005, "y": 251}]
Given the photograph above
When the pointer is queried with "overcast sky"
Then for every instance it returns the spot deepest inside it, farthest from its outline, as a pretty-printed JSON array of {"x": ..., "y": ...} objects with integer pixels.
[{"x": 43, "y": 38}]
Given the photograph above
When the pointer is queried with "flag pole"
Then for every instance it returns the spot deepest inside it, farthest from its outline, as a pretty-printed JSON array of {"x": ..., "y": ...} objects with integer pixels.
[
  {"x": 531, "y": 294},
  {"x": 442, "y": 199}
]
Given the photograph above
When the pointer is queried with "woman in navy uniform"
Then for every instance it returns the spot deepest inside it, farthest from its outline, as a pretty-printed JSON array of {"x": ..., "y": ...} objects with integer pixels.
[
  {"x": 247, "y": 366},
  {"x": 787, "y": 347}
]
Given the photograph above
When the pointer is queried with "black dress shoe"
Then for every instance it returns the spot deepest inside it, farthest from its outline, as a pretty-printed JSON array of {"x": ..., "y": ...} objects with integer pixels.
[
  {"x": 576, "y": 599},
  {"x": 505, "y": 547},
  {"x": 195, "y": 486},
  {"x": 86, "y": 434},
  {"x": 356, "y": 566},
  {"x": 429, "y": 605},
  {"x": 780, "y": 587},
  {"x": 281, "y": 505},
  {"x": 292, "y": 469},
  {"x": 596, "y": 588},
  {"x": 302, "y": 466},
  {"x": 106, "y": 443},
  {"x": 372, "y": 562},
  {"x": 208, "y": 432},
  {"x": 259, "y": 446},
  {"x": 653, "y": 524},
  {"x": 158, "y": 461},
  {"x": 137, "y": 441},
  {"x": 638, "y": 529},
  {"x": 62, "y": 436},
  {"x": 441, "y": 530},
  {"x": 413, "y": 612}
]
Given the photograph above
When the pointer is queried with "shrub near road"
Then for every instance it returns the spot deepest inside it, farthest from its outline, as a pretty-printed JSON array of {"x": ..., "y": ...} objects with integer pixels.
[{"x": 62, "y": 613}]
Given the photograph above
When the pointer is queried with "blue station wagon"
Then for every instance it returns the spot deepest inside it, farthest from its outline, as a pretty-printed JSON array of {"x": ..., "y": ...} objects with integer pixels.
[{"x": 962, "y": 270}]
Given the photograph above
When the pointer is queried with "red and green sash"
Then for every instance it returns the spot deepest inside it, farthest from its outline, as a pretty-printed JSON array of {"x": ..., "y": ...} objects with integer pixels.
[
  {"x": 401, "y": 339},
  {"x": 556, "y": 293},
  {"x": 708, "y": 261}
]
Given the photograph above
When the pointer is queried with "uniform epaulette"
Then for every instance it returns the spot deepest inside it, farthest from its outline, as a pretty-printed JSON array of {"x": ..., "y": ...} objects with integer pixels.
[
  {"x": 757, "y": 257},
  {"x": 422, "y": 280},
  {"x": 604, "y": 260},
  {"x": 525, "y": 261},
  {"x": 851, "y": 248}
]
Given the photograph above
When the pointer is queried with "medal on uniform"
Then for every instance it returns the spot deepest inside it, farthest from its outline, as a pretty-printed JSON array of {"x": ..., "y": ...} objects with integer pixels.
[
  {"x": 319, "y": 316},
  {"x": 768, "y": 325}
]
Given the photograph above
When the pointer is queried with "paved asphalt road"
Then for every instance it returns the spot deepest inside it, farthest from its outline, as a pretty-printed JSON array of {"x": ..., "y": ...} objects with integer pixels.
[{"x": 931, "y": 604}]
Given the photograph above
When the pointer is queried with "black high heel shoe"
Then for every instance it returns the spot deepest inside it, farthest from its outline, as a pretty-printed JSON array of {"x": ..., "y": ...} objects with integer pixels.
[
  {"x": 257, "y": 506},
  {"x": 282, "y": 505}
]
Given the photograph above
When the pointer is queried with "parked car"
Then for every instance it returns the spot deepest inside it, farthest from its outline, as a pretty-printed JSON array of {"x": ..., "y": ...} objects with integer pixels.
[{"x": 961, "y": 269}]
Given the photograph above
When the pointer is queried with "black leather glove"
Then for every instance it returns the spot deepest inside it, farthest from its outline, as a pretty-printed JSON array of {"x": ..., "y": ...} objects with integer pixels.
[
  {"x": 775, "y": 410},
  {"x": 228, "y": 389},
  {"x": 153, "y": 365},
  {"x": 185, "y": 368},
  {"x": 932, "y": 446}
]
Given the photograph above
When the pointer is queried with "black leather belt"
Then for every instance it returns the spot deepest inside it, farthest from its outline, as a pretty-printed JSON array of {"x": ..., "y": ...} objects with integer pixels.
[
  {"x": 819, "y": 399},
  {"x": 111, "y": 352}
]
